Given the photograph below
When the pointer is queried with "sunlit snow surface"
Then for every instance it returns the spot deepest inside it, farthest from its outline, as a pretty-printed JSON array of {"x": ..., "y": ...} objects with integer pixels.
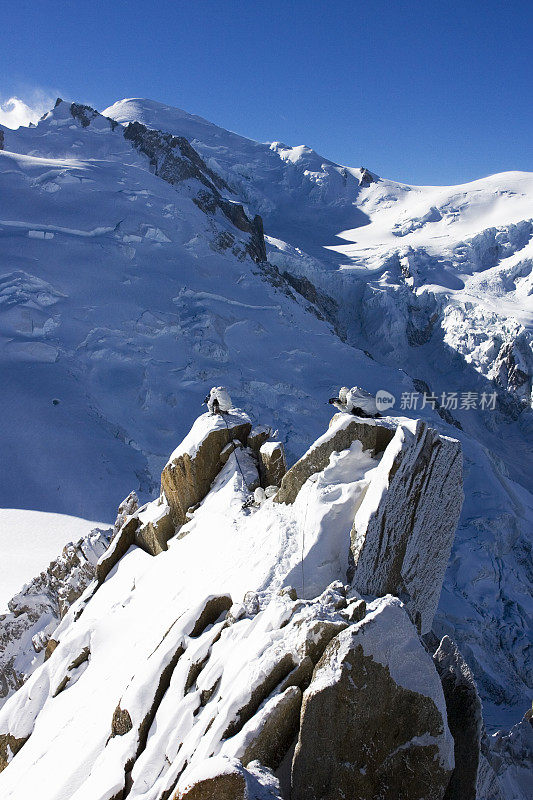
[
  {"x": 29, "y": 540},
  {"x": 118, "y": 311}
]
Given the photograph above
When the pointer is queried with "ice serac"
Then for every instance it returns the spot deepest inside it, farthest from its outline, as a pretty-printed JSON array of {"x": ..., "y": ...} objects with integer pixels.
[
  {"x": 193, "y": 466},
  {"x": 404, "y": 527},
  {"x": 373, "y": 720}
]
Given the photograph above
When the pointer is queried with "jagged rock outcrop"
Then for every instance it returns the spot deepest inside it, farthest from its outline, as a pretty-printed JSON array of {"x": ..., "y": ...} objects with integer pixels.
[
  {"x": 127, "y": 508},
  {"x": 36, "y": 611},
  {"x": 156, "y": 526},
  {"x": 404, "y": 527},
  {"x": 513, "y": 368},
  {"x": 272, "y": 464},
  {"x": 510, "y": 756},
  {"x": 465, "y": 719},
  {"x": 343, "y": 431},
  {"x": 194, "y": 465},
  {"x": 1, "y": 139},
  {"x": 174, "y": 160},
  {"x": 366, "y": 177},
  {"x": 373, "y": 720}
]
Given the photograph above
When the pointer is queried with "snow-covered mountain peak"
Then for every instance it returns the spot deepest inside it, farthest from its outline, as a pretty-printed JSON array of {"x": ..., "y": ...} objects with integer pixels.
[{"x": 129, "y": 288}]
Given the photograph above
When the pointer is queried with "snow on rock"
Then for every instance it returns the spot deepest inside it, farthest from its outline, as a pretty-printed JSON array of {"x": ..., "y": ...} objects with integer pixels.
[
  {"x": 404, "y": 527},
  {"x": 343, "y": 431},
  {"x": 192, "y": 467},
  {"x": 220, "y": 778},
  {"x": 373, "y": 720},
  {"x": 272, "y": 464},
  {"x": 510, "y": 756}
]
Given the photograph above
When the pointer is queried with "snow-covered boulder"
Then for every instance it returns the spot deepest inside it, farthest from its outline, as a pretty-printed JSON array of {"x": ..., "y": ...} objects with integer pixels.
[
  {"x": 155, "y": 527},
  {"x": 465, "y": 720},
  {"x": 220, "y": 778},
  {"x": 404, "y": 528},
  {"x": 373, "y": 720},
  {"x": 272, "y": 465},
  {"x": 195, "y": 463}
]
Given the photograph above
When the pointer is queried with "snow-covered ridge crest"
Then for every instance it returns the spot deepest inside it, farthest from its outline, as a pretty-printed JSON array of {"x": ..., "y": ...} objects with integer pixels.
[{"x": 206, "y": 648}]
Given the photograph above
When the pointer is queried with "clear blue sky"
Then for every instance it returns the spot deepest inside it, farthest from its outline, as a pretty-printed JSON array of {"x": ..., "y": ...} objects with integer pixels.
[{"x": 424, "y": 92}]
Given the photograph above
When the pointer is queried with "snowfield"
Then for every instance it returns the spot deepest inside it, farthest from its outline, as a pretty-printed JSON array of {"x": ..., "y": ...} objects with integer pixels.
[{"x": 125, "y": 295}]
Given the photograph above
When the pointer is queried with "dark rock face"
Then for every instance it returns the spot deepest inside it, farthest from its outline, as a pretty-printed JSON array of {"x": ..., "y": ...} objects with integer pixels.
[
  {"x": 174, "y": 160},
  {"x": 373, "y": 437},
  {"x": 511, "y": 371},
  {"x": 366, "y": 177},
  {"x": 465, "y": 721},
  {"x": 401, "y": 539},
  {"x": 84, "y": 114},
  {"x": 365, "y": 735},
  {"x": 1, "y": 139}
]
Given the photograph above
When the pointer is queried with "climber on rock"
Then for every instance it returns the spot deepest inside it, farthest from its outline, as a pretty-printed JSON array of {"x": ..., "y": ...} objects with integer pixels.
[
  {"x": 356, "y": 401},
  {"x": 218, "y": 400}
]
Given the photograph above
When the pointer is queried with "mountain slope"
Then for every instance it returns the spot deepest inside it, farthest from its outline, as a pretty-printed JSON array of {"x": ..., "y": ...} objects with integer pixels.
[{"x": 129, "y": 287}]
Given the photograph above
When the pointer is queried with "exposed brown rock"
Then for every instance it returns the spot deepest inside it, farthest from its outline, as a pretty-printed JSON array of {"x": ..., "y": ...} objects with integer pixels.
[
  {"x": 319, "y": 635},
  {"x": 152, "y": 536},
  {"x": 118, "y": 548},
  {"x": 212, "y": 610},
  {"x": 276, "y": 729},
  {"x": 9, "y": 746},
  {"x": 221, "y": 778},
  {"x": 50, "y": 647},
  {"x": 229, "y": 786},
  {"x": 186, "y": 481},
  {"x": 373, "y": 436},
  {"x": 272, "y": 465},
  {"x": 121, "y": 722},
  {"x": 258, "y": 436},
  {"x": 364, "y": 735}
]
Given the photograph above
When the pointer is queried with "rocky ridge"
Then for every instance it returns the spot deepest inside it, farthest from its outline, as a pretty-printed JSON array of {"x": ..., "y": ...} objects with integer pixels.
[{"x": 261, "y": 693}]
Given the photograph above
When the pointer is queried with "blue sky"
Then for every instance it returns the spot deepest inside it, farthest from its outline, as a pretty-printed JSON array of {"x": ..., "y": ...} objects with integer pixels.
[{"x": 422, "y": 92}]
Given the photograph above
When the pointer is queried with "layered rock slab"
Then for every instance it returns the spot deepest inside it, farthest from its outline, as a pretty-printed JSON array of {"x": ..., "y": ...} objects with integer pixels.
[
  {"x": 404, "y": 527},
  {"x": 373, "y": 721}
]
